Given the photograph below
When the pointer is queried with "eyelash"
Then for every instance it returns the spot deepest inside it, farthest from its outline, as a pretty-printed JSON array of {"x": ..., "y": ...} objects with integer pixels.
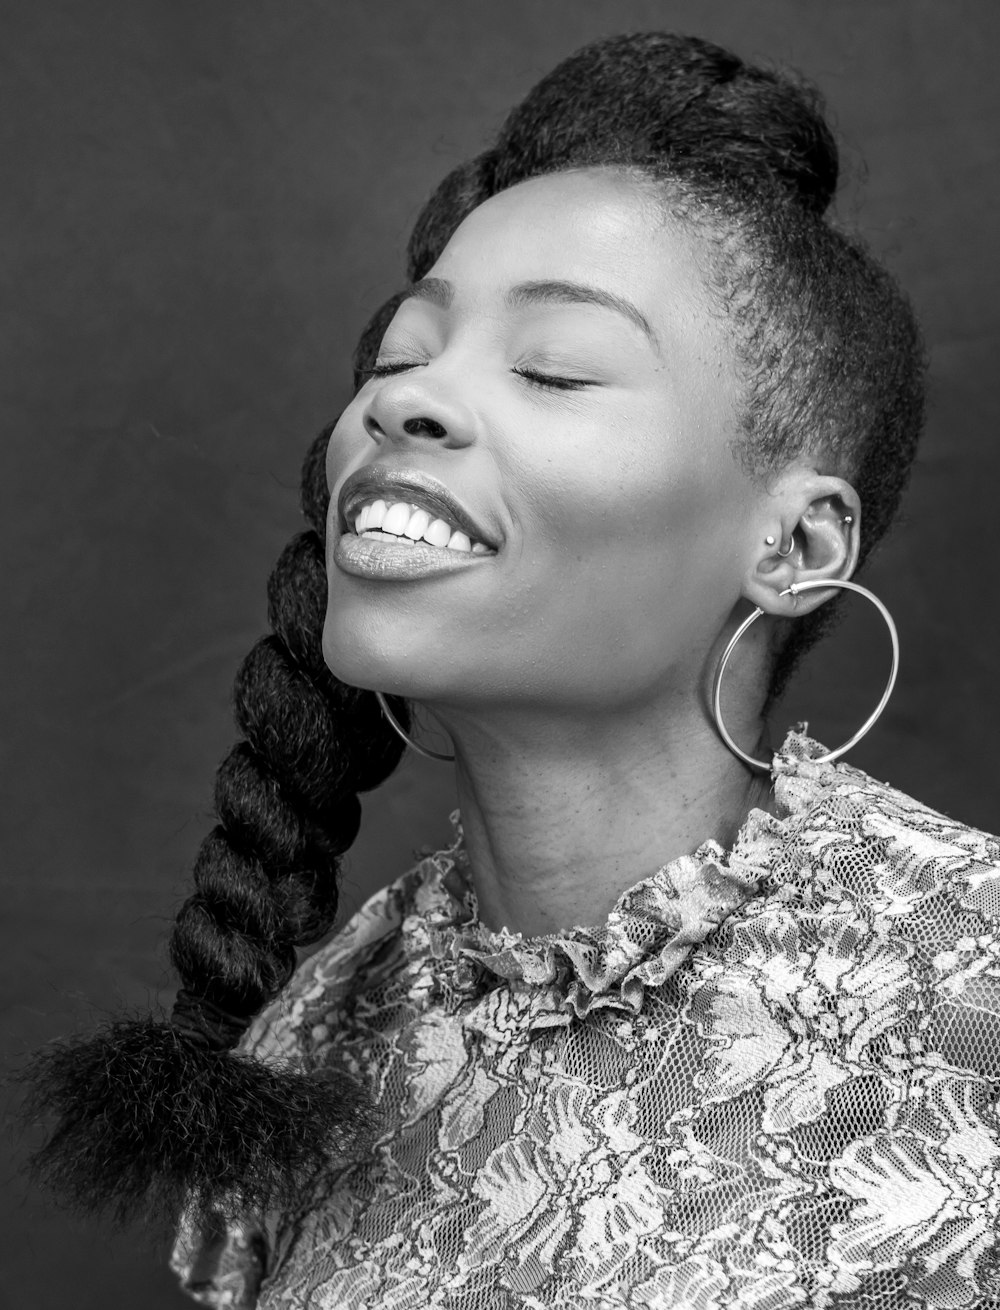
[
  {"x": 547, "y": 381},
  {"x": 386, "y": 370}
]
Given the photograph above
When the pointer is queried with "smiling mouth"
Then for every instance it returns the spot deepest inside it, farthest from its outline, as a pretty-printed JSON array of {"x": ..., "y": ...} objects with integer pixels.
[
  {"x": 394, "y": 507},
  {"x": 405, "y": 523}
]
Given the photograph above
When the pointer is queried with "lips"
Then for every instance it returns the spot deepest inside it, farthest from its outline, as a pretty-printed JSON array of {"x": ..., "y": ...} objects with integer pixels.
[{"x": 376, "y": 482}]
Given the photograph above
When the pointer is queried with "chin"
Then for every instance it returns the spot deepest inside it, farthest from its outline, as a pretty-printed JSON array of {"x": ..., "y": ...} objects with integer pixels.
[
  {"x": 354, "y": 660},
  {"x": 363, "y": 654}
]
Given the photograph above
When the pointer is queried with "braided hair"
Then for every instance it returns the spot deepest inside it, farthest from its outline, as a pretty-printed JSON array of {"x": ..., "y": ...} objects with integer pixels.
[{"x": 153, "y": 1112}]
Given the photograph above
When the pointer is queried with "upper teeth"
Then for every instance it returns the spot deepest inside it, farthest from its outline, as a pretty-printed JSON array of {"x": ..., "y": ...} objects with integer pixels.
[{"x": 397, "y": 518}]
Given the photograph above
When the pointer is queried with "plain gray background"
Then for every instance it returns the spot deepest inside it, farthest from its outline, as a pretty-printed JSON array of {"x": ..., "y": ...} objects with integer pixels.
[{"x": 202, "y": 202}]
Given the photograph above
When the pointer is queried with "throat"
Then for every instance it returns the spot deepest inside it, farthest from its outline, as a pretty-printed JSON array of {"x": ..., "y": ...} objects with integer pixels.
[{"x": 553, "y": 845}]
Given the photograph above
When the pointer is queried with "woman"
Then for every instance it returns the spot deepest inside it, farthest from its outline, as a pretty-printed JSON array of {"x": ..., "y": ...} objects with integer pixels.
[{"x": 637, "y": 390}]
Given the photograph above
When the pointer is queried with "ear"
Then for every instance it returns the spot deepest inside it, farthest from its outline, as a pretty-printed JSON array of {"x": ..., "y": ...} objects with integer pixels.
[{"x": 809, "y": 529}]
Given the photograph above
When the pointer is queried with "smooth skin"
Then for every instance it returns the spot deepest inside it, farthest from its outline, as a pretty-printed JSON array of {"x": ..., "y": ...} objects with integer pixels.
[{"x": 571, "y": 668}]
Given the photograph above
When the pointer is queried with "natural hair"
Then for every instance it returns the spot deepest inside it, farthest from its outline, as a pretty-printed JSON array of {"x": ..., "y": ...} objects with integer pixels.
[
  {"x": 154, "y": 1112},
  {"x": 827, "y": 349}
]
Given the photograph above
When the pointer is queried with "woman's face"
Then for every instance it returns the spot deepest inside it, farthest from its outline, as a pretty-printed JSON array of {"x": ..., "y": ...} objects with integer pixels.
[{"x": 562, "y": 377}]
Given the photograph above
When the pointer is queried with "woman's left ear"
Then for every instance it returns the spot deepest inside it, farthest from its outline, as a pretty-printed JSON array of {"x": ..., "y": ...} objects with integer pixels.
[{"x": 810, "y": 529}]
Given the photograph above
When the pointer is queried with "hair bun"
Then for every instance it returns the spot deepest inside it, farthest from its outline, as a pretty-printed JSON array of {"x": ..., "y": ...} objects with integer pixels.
[{"x": 660, "y": 98}]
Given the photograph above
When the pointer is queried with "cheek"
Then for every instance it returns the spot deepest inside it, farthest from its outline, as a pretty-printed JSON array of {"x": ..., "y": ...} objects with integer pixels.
[
  {"x": 627, "y": 542},
  {"x": 628, "y": 488}
]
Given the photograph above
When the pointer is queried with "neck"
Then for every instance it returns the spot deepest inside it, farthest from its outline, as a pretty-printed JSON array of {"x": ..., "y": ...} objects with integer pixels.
[{"x": 561, "y": 815}]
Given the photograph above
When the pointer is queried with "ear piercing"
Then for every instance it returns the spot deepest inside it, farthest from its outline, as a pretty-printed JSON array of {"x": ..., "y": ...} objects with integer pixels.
[{"x": 784, "y": 554}]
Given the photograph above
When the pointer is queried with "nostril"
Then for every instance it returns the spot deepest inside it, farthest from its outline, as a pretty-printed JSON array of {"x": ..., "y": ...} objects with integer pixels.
[{"x": 414, "y": 426}]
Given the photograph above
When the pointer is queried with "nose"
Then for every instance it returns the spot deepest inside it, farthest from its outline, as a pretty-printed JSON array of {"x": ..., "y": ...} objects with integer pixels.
[{"x": 406, "y": 410}]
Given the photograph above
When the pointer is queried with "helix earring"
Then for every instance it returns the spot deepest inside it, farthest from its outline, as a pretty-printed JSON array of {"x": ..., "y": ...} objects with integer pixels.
[
  {"x": 868, "y": 724},
  {"x": 401, "y": 731}
]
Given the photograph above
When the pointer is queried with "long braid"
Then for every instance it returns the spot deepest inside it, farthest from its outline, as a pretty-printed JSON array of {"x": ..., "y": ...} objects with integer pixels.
[{"x": 152, "y": 1114}]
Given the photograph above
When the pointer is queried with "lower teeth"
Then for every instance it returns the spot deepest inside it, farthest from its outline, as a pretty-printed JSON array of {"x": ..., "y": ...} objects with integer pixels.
[{"x": 375, "y": 534}]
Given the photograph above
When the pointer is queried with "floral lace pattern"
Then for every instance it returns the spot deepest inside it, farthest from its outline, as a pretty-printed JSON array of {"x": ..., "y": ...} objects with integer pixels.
[{"x": 769, "y": 1080}]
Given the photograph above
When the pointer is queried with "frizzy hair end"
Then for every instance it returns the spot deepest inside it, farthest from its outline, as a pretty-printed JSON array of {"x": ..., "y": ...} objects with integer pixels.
[{"x": 148, "y": 1123}]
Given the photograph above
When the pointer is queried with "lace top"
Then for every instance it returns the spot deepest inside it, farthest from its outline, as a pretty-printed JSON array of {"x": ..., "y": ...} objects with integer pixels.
[{"x": 769, "y": 1080}]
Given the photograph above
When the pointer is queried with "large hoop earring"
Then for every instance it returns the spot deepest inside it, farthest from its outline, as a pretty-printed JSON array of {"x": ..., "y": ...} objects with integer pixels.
[
  {"x": 869, "y": 723},
  {"x": 401, "y": 731}
]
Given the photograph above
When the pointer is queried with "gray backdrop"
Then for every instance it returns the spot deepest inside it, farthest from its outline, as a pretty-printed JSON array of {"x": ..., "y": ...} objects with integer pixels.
[{"x": 203, "y": 203}]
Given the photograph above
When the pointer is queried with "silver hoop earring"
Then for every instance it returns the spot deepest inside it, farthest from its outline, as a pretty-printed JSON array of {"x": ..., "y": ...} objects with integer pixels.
[
  {"x": 784, "y": 554},
  {"x": 401, "y": 731},
  {"x": 869, "y": 723}
]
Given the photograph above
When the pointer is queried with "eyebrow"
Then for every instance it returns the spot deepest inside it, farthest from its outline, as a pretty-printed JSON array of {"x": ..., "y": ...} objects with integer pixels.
[{"x": 439, "y": 292}]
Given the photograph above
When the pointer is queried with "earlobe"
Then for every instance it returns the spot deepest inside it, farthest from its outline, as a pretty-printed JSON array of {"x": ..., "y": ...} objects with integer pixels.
[{"x": 816, "y": 536}]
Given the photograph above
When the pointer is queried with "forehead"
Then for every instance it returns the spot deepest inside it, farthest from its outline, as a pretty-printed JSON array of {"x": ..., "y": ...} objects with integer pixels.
[{"x": 598, "y": 227}]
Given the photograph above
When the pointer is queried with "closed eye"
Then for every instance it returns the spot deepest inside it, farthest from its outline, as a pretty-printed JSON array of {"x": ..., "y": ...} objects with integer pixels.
[
  {"x": 383, "y": 370},
  {"x": 550, "y": 380}
]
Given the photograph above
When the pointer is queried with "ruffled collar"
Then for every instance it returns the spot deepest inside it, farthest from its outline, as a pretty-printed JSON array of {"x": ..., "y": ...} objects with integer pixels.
[{"x": 652, "y": 929}]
